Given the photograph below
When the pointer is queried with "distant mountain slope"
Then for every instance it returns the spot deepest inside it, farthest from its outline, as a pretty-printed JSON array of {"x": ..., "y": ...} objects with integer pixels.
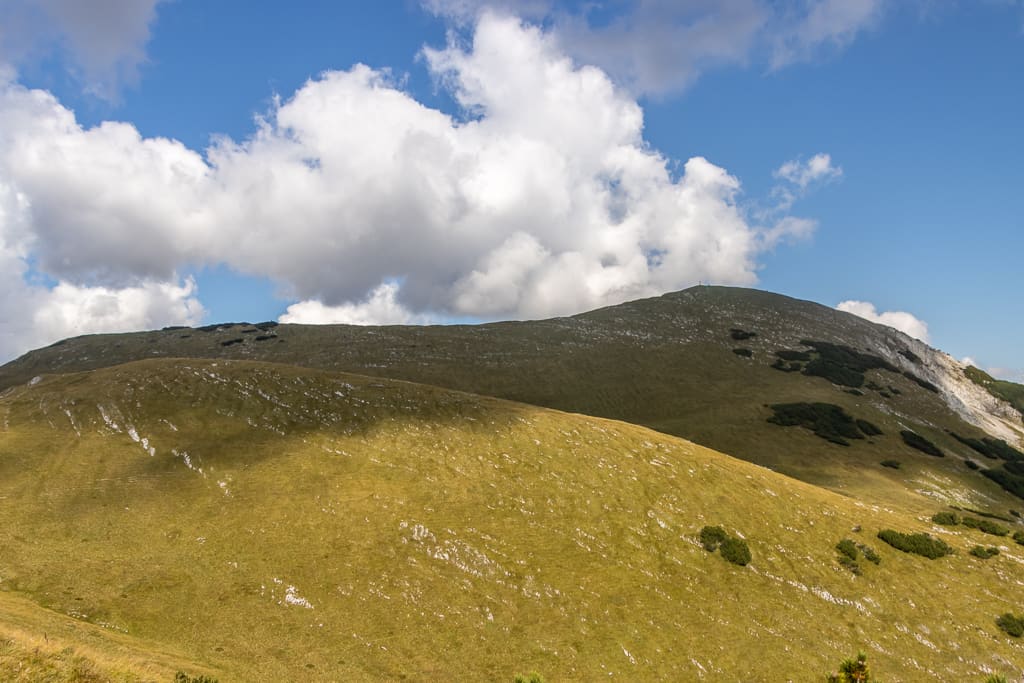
[
  {"x": 280, "y": 523},
  {"x": 670, "y": 363}
]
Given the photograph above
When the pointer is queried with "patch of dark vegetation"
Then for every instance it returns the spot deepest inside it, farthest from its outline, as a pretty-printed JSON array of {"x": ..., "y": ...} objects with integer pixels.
[
  {"x": 782, "y": 365},
  {"x": 946, "y": 518},
  {"x": 174, "y": 327},
  {"x": 231, "y": 342},
  {"x": 971, "y": 465},
  {"x": 741, "y": 335},
  {"x": 532, "y": 677},
  {"x": 264, "y": 337},
  {"x": 985, "y": 526},
  {"x": 993, "y": 449},
  {"x": 734, "y": 550},
  {"x": 55, "y": 344},
  {"x": 182, "y": 677},
  {"x": 917, "y": 544},
  {"x": 1015, "y": 514},
  {"x": 869, "y": 553},
  {"x": 711, "y": 537},
  {"x": 868, "y": 428},
  {"x": 1015, "y": 467},
  {"x": 786, "y": 354},
  {"x": 910, "y": 355},
  {"x": 853, "y": 671},
  {"x": 854, "y": 392},
  {"x": 1011, "y": 483},
  {"x": 915, "y": 440},
  {"x": 983, "y": 552},
  {"x": 982, "y": 513},
  {"x": 874, "y": 386},
  {"x": 250, "y": 330},
  {"x": 1011, "y": 624},
  {"x": 923, "y": 383},
  {"x": 1018, "y": 536},
  {"x": 746, "y": 353},
  {"x": 893, "y": 464},
  {"x": 826, "y": 420},
  {"x": 841, "y": 364},
  {"x": 894, "y": 391},
  {"x": 848, "y": 555}
]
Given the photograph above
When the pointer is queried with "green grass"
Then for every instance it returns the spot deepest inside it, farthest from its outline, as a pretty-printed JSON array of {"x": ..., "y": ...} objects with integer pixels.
[{"x": 438, "y": 535}]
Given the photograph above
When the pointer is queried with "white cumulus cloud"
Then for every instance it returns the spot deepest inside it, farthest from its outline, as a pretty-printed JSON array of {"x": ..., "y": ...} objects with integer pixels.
[
  {"x": 901, "y": 320},
  {"x": 541, "y": 199}
]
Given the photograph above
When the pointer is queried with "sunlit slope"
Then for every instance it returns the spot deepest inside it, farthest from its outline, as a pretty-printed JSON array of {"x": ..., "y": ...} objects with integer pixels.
[
  {"x": 668, "y": 363},
  {"x": 280, "y": 523}
]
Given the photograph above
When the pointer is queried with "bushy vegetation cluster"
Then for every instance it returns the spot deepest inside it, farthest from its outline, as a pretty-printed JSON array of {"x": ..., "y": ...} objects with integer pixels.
[
  {"x": 786, "y": 354},
  {"x": 915, "y": 440},
  {"x": 946, "y": 518},
  {"x": 983, "y": 552},
  {"x": 741, "y": 335},
  {"x": 917, "y": 544},
  {"x": 923, "y": 383},
  {"x": 826, "y": 420},
  {"x": 532, "y": 677},
  {"x": 1019, "y": 537},
  {"x": 1011, "y": 483},
  {"x": 893, "y": 464},
  {"x": 852, "y": 671},
  {"x": 733, "y": 549},
  {"x": 182, "y": 677},
  {"x": 1012, "y": 624},
  {"x": 850, "y": 552},
  {"x": 971, "y": 465},
  {"x": 746, "y": 353},
  {"x": 985, "y": 526},
  {"x": 994, "y": 449},
  {"x": 841, "y": 364}
]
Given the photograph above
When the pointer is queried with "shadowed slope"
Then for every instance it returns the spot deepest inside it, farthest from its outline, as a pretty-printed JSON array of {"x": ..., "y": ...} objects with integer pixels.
[{"x": 284, "y": 523}]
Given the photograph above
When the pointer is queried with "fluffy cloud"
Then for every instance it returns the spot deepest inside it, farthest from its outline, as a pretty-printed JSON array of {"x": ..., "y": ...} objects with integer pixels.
[
  {"x": 104, "y": 40},
  {"x": 901, "y": 320},
  {"x": 352, "y": 186},
  {"x": 656, "y": 46}
]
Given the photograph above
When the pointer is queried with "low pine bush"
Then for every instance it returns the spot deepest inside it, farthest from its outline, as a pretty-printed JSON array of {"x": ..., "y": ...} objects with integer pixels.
[
  {"x": 1019, "y": 537},
  {"x": 532, "y": 677},
  {"x": 746, "y": 353},
  {"x": 736, "y": 551},
  {"x": 983, "y": 552},
  {"x": 894, "y": 464},
  {"x": 917, "y": 544},
  {"x": 946, "y": 518},
  {"x": 182, "y": 677},
  {"x": 853, "y": 671},
  {"x": 869, "y": 554},
  {"x": 711, "y": 537},
  {"x": 848, "y": 548},
  {"x": 1011, "y": 624},
  {"x": 915, "y": 440},
  {"x": 985, "y": 526}
]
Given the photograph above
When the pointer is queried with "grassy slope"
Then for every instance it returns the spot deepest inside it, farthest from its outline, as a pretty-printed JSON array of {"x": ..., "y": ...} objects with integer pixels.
[
  {"x": 666, "y": 363},
  {"x": 438, "y": 535}
]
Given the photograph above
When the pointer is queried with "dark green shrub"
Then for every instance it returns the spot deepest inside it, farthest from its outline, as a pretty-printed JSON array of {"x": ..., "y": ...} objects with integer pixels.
[
  {"x": 1019, "y": 537},
  {"x": 869, "y": 554},
  {"x": 711, "y": 537},
  {"x": 995, "y": 678},
  {"x": 1011, "y": 483},
  {"x": 971, "y": 465},
  {"x": 985, "y": 526},
  {"x": 996, "y": 449},
  {"x": 852, "y": 671},
  {"x": 850, "y": 564},
  {"x": 848, "y": 548},
  {"x": 785, "y": 354},
  {"x": 915, "y": 440},
  {"x": 1011, "y": 624},
  {"x": 782, "y": 365},
  {"x": 532, "y": 677},
  {"x": 868, "y": 428},
  {"x": 946, "y": 518},
  {"x": 736, "y": 551},
  {"x": 983, "y": 552},
  {"x": 917, "y": 544},
  {"x": 741, "y": 335},
  {"x": 841, "y": 364},
  {"x": 746, "y": 353},
  {"x": 182, "y": 677},
  {"x": 828, "y": 421},
  {"x": 894, "y": 464},
  {"x": 854, "y": 392}
]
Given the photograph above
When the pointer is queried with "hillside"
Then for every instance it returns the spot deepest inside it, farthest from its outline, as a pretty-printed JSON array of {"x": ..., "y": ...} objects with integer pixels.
[
  {"x": 279, "y": 523},
  {"x": 670, "y": 363}
]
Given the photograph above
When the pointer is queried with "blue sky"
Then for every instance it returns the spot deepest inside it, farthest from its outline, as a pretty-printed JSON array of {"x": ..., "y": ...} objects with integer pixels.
[{"x": 864, "y": 150}]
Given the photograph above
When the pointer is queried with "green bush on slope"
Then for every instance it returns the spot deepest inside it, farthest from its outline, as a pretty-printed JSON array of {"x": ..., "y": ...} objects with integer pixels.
[{"x": 917, "y": 544}]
